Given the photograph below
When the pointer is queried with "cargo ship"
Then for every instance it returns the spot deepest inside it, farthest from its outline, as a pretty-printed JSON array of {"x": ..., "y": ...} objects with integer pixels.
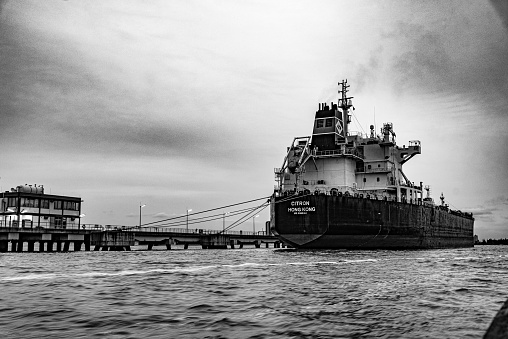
[{"x": 339, "y": 189}]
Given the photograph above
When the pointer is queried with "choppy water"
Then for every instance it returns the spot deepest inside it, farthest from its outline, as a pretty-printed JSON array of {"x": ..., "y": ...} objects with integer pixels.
[{"x": 252, "y": 293}]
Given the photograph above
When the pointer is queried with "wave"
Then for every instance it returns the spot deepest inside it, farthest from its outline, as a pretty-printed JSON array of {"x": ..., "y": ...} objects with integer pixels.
[{"x": 175, "y": 270}]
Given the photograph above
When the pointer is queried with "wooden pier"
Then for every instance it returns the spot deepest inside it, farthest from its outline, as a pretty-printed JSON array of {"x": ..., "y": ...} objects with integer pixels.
[{"x": 121, "y": 238}]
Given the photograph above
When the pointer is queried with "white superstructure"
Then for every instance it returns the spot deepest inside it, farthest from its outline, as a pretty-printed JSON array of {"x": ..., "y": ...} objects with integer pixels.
[{"x": 335, "y": 162}]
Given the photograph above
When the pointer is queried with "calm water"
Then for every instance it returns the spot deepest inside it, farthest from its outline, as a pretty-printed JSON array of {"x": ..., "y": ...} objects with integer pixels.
[{"x": 252, "y": 293}]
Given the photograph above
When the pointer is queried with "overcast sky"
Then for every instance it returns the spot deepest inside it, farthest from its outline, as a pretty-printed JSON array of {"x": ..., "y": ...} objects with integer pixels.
[{"x": 191, "y": 104}]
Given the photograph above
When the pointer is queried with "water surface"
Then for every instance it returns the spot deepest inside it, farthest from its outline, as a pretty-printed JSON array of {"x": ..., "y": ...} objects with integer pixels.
[{"x": 252, "y": 293}]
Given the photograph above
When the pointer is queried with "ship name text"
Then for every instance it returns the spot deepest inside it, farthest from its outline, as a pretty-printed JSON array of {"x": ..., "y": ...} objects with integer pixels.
[
  {"x": 303, "y": 207},
  {"x": 300, "y": 203}
]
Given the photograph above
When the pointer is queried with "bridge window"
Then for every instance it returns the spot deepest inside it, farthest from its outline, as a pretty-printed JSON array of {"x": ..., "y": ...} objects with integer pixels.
[
  {"x": 329, "y": 123},
  {"x": 364, "y": 179},
  {"x": 377, "y": 179},
  {"x": 319, "y": 123}
]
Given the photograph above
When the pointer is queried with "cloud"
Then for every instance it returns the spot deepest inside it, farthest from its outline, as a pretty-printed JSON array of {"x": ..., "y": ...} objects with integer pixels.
[
  {"x": 449, "y": 48},
  {"x": 160, "y": 215},
  {"x": 75, "y": 93},
  {"x": 501, "y": 7},
  {"x": 481, "y": 211},
  {"x": 497, "y": 201},
  {"x": 423, "y": 55},
  {"x": 366, "y": 72},
  {"x": 492, "y": 211}
]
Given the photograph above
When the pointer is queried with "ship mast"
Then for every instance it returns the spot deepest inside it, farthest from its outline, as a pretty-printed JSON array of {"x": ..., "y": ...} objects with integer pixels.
[{"x": 345, "y": 104}]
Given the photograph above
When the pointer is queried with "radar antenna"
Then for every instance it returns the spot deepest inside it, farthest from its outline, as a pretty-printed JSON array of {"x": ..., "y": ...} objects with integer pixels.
[{"x": 345, "y": 101}]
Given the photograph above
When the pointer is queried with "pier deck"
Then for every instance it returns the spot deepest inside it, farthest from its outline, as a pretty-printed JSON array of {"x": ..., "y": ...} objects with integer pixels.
[{"x": 96, "y": 237}]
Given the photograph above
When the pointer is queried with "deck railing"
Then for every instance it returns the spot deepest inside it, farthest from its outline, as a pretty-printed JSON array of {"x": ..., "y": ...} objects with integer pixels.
[{"x": 339, "y": 152}]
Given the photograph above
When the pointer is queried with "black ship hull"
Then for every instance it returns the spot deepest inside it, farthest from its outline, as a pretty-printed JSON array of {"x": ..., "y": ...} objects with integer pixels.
[{"x": 341, "y": 222}]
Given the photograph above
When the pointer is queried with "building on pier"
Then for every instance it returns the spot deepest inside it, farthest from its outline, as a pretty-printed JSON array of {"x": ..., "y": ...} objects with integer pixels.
[{"x": 29, "y": 207}]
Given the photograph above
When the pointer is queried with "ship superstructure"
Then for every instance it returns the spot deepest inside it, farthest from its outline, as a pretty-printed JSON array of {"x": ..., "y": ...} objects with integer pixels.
[
  {"x": 338, "y": 188},
  {"x": 334, "y": 161}
]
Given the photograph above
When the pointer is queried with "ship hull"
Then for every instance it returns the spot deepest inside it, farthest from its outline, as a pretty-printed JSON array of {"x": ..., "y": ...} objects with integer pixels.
[{"x": 333, "y": 222}]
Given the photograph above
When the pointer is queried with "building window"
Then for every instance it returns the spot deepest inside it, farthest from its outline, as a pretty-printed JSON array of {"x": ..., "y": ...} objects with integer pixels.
[
  {"x": 329, "y": 123},
  {"x": 377, "y": 179},
  {"x": 70, "y": 205},
  {"x": 57, "y": 205},
  {"x": 369, "y": 166},
  {"x": 29, "y": 202},
  {"x": 319, "y": 123},
  {"x": 378, "y": 165},
  {"x": 60, "y": 222},
  {"x": 45, "y": 203},
  {"x": 364, "y": 179},
  {"x": 11, "y": 202}
]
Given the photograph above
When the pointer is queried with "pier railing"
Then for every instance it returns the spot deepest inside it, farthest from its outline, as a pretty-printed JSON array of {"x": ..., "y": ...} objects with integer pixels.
[
  {"x": 101, "y": 228},
  {"x": 27, "y": 224},
  {"x": 196, "y": 231}
]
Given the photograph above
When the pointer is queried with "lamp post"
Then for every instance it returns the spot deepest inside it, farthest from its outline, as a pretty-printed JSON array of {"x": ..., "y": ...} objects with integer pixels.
[
  {"x": 254, "y": 224},
  {"x": 224, "y": 221},
  {"x": 187, "y": 223},
  {"x": 140, "y": 207}
]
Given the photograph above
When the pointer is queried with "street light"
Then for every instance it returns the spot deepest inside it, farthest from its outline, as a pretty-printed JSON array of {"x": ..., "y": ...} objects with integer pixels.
[
  {"x": 187, "y": 223},
  {"x": 254, "y": 224},
  {"x": 224, "y": 221},
  {"x": 140, "y": 207}
]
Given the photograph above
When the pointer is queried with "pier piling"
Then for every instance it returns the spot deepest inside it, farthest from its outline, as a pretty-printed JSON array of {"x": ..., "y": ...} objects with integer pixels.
[{"x": 4, "y": 245}]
